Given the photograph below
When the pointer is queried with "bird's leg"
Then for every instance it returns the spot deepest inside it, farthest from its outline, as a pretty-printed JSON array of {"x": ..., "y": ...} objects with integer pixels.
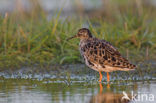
[
  {"x": 108, "y": 86},
  {"x": 107, "y": 77},
  {"x": 101, "y": 87},
  {"x": 100, "y": 76}
]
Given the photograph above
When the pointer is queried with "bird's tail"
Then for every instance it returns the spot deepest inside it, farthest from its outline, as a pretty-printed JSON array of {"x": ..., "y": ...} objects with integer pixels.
[{"x": 131, "y": 66}]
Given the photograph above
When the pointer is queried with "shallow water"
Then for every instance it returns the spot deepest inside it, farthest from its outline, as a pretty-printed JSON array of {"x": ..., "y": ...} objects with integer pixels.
[
  {"x": 33, "y": 91},
  {"x": 76, "y": 84}
]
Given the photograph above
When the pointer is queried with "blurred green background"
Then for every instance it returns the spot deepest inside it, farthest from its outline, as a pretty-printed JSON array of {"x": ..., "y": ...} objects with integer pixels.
[{"x": 35, "y": 31}]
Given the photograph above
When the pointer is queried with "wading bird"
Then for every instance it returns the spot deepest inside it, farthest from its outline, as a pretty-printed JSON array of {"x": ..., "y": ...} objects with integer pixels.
[{"x": 100, "y": 55}]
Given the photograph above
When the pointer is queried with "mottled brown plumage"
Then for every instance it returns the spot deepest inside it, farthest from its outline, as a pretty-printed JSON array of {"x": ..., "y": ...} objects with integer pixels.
[{"x": 100, "y": 55}]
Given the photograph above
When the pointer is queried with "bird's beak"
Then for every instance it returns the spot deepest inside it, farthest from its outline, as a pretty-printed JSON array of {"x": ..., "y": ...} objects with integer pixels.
[{"x": 72, "y": 37}]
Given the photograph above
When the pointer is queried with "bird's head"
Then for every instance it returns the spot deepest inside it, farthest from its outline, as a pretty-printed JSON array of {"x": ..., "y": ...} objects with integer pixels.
[{"x": 83, "y": 33}]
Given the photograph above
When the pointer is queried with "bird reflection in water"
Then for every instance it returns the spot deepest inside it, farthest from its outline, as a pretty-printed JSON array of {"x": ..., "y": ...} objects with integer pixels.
[{"x": 109, "y": 97}]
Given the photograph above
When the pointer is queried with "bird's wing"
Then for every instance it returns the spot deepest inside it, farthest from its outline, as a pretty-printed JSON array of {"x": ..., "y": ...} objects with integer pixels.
[
  {"x": 109, "y": 48},
  {"x": 103, "y": 53}
]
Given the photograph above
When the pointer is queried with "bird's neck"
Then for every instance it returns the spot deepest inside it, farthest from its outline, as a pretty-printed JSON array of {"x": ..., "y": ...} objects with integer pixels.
[{"x": 84, "y": 41}]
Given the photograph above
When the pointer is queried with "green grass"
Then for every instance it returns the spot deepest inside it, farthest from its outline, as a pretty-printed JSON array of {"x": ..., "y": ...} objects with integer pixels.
[{"x": 29, "y": 38}]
